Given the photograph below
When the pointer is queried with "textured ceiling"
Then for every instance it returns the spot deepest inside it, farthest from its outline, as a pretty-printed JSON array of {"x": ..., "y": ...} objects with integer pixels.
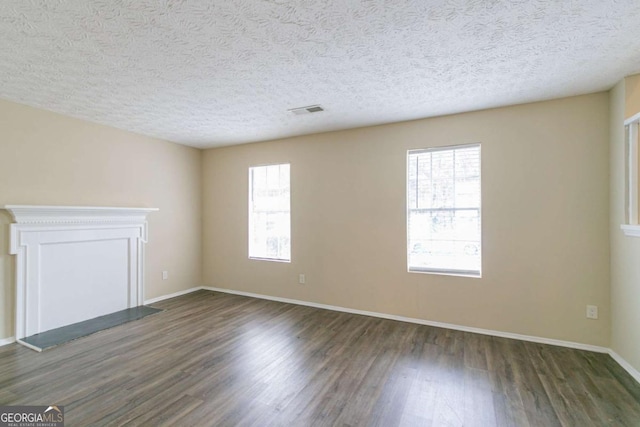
[{"x": 207, "y": 73}]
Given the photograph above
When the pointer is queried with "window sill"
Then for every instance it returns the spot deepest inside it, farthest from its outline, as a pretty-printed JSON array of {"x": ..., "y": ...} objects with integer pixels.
[
  {"x": 458, "y": 273},
  {"x": 270, "y": 259},
  {"x": 630, "y": 230}
]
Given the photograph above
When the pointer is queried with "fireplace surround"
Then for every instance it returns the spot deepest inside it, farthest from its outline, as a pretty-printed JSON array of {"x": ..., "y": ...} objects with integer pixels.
[{"x": 75, "y": 263}]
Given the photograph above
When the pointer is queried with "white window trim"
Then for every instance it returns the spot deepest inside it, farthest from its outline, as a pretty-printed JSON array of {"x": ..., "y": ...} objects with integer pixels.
[
  {"x": 253, "y": 258},
  {"x": 632, "y": 125},
  {"x": 443, "y": 272}
]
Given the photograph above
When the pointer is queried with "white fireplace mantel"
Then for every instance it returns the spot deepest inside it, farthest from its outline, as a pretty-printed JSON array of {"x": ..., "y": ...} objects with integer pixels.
[
  {"x": 75, "y": 263},
  {"x": 26, "y": 214}
]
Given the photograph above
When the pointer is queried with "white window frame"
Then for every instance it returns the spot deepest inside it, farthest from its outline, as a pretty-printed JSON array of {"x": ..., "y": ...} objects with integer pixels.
[
  {"x": 632, "y": 136},
  {"x": 250, "y": 219},
  {"x": 442, "y": 271}
]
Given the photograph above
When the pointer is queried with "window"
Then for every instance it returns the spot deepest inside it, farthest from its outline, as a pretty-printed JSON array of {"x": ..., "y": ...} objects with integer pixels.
[
  {"x": 443, "y": 210},
  {"x": 632, "y": 195},
  {"x": 269, "y": 213}
]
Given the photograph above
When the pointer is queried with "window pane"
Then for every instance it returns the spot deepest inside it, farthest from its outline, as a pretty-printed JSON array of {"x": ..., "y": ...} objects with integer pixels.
[
  {"x": 269, "y": 212},
  {"x": 443, "y": 210}
]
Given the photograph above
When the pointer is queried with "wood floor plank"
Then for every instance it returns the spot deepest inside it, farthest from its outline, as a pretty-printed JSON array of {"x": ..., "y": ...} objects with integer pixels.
[{"x": 216, "y": 359}]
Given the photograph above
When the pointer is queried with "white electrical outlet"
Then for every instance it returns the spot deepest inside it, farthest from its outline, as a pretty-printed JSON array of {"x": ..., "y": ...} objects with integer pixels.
[
  {"x": 301, "y": 279},
  {"x": 165, "y": 275},
  {"x": 592, "y": 312}
]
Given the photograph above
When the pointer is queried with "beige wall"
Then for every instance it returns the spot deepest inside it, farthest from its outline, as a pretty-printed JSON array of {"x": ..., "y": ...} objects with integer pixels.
[
  {"x": 625, "y": 251},
  {"x": 545, "y": 220},
  {"x": 632, "y": 95},
  {"x": 46, "y": 158},
  {"x": 545, "y": 176}
]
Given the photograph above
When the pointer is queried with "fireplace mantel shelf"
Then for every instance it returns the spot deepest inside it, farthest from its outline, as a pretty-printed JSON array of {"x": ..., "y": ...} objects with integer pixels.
[{"x": 29, "y": 214}]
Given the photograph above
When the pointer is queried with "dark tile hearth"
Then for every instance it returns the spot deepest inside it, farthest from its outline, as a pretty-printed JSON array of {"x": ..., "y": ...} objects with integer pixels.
[{"x": 58, "y": 336}]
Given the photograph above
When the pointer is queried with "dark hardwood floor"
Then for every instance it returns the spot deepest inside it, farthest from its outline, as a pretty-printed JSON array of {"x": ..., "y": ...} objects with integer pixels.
[{"x": 213, "y": 359}]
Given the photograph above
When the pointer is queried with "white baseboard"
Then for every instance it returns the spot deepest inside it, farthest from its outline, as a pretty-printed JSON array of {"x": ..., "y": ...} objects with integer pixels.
[
  {"x": 5, "y": 341},
  {"x": 625, "y": 365},
  {"x": 501, "y": 334},
  {"x": 173, "y": 295}
]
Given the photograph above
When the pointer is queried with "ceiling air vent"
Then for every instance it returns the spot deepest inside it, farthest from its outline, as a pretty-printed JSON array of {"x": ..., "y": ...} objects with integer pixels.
[{"x": 306, "y": 110}]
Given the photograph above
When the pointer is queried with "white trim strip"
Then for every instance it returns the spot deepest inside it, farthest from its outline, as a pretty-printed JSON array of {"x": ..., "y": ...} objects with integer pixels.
[
  {"x": 625, "y": 365},
  {"x": 630, "y": 230},
  {"x": 443, "y": 148},
  {"x": 490, "y": 332},
  {"x": 632, "y": 172},
  {"x": 632, "y": 119},
  {"x": 173, "y": 295},
  {"x": 31, "y": 346},
  {"x": 6, "y": 341}
]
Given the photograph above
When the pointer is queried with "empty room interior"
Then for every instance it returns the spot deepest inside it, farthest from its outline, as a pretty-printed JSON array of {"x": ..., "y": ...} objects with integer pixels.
[{"x": 353, "y": 213}]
